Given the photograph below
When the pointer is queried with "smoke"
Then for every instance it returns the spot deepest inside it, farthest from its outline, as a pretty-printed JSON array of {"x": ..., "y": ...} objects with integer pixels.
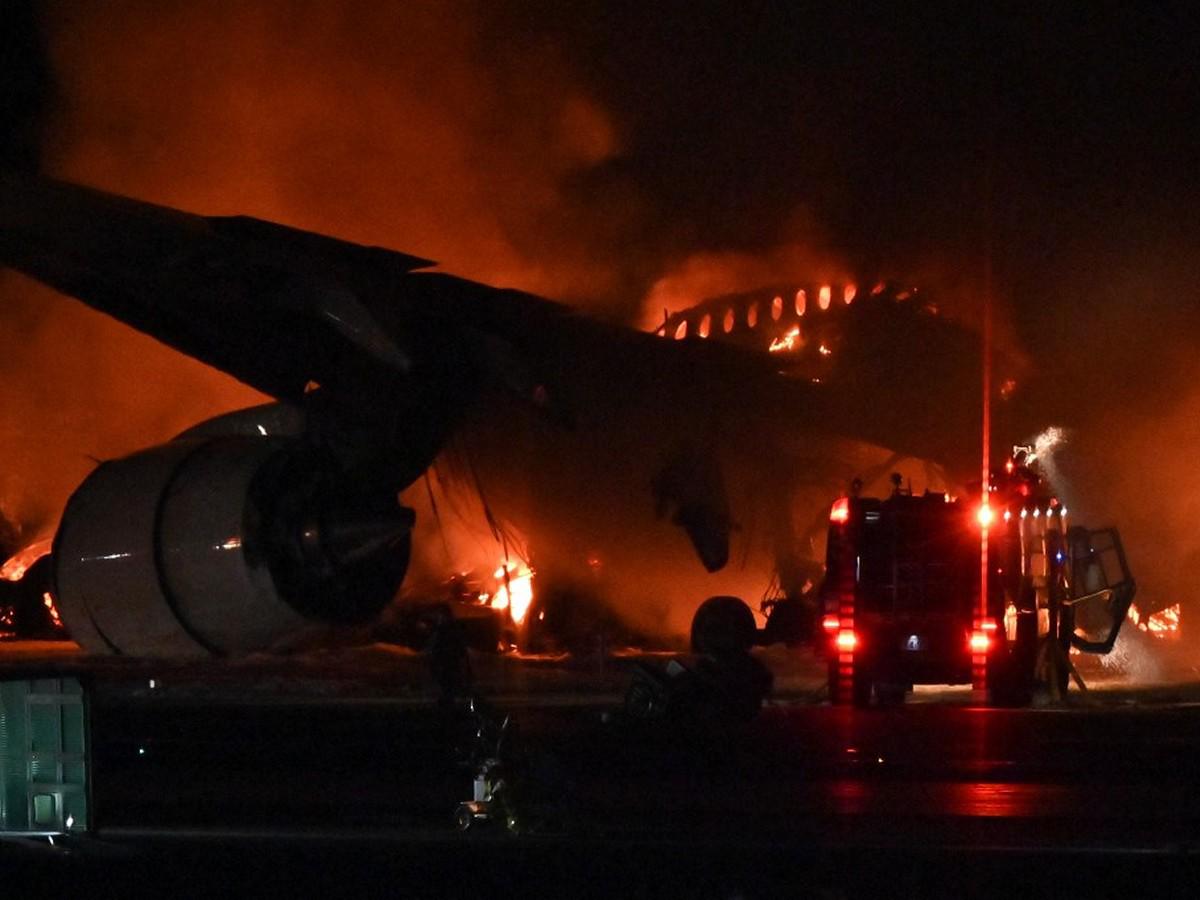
[
  {"x": 1124, "y": 374},
  {"x": 638, "y": 165},
  {"x": 418, "y": 127}
]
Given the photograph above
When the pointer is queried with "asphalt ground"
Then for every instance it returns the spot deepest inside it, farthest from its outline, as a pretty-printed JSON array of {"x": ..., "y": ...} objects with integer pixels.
[{"x": 339, "y": 770}]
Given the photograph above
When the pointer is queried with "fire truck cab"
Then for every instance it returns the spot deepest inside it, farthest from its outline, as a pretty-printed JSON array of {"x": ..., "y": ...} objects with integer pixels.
[{"x": 901, "y": 596}]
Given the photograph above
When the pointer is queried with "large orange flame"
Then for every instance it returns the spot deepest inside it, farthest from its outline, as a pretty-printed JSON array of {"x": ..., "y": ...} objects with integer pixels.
[{"x": 514, "y": 591}]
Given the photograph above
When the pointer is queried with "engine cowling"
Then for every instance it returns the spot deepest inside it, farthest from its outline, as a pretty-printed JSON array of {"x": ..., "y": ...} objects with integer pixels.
[{"x": 222, "y": 545}]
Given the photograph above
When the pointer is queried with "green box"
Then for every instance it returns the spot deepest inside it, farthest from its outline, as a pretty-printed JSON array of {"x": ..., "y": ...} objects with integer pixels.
[{"x": 43, "y": 756}]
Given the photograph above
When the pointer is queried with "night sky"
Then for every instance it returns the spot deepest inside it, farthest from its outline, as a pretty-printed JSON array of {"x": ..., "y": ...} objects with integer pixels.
[{"x": 590, "y": 152}]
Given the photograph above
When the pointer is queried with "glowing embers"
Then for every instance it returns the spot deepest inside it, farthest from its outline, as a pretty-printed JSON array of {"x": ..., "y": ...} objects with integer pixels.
[
  {"x": 705, "y": 326},
  {"x": 776, "y": 309},
  {"x": 786, "y": 342},
  {"x": 727, "y": 324},
  {"x": 514, "y": 590},
  {"x": 1164, "y": 623},
  {"x": 824, "y": 296},
  {"x": 801, "y": 302},
  {"x": 681, "y": 330}
]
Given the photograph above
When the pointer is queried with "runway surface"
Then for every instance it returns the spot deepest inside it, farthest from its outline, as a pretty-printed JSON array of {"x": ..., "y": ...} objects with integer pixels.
[{"x": 256, "y": 781}]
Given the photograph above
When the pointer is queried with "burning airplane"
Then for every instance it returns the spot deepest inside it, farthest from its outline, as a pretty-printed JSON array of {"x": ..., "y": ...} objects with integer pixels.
[{"x": 625, "y": 473}]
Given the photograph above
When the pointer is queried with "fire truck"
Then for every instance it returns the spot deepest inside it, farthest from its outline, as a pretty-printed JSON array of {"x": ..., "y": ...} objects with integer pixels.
[{"x": 904, "y": 574}]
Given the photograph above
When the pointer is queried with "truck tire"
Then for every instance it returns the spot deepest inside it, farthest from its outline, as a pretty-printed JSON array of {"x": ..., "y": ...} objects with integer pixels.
[
  {"x": 722, "y": 626},
  {"x": 1011, "y": 669},
  {"x": 1010, "y": 684}
]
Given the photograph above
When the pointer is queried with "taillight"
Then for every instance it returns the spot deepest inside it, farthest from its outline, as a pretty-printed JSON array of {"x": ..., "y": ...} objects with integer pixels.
[
  {"x": 830, "y": 624},
  {"x": 846, "y": 641}
]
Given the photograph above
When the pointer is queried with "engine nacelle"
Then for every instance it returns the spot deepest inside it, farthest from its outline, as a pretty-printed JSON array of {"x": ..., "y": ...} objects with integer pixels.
[{"x": 222, "y": 545}]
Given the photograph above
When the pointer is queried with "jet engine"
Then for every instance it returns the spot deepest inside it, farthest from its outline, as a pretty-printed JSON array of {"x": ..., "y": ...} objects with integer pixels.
[{"x": 223, "y": 545}]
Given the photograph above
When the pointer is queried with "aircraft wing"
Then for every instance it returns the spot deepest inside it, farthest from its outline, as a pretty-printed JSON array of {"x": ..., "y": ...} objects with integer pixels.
[
  {"x": 281, "y": 309},
  {"x": 274, "y": 306}
]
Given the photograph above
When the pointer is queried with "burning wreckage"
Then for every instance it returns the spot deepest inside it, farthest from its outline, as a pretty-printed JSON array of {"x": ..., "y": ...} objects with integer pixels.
[{"x": 424, "y": 423}]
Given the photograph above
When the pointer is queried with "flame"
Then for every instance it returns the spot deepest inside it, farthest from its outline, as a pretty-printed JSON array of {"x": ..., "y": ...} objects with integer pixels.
[
  {"x": 20, "y": 562},
  {"x": 1164, "y": 622},
  {"x": 514, "y": 591},
  {"x": 1161, "y": 624},
  {"x": 52, "y": 609},
  {"x": 789, "y": 341}
]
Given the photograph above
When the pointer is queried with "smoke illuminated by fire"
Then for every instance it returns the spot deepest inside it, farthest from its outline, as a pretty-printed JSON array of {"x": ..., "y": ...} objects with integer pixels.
[
  {"x": 433, "y": 130},
  {"x": 405, "y": 126}
]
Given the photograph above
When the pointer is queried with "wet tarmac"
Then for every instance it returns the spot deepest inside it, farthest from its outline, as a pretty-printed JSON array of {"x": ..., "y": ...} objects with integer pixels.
[{"x": 257, "y": 781}]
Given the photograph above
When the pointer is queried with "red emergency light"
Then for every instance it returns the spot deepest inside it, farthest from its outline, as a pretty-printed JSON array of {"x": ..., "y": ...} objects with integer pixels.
[
  {"x": 839, "y": 513},
  {"x": 846, "y": 641},
  {"x": 985, "y": 514}
]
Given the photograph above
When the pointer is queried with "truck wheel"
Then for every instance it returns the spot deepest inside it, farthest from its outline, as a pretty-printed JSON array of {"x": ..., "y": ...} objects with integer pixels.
[
  {"x": 723, "y": 626},
  {"x": 1009, "y": 686}
]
